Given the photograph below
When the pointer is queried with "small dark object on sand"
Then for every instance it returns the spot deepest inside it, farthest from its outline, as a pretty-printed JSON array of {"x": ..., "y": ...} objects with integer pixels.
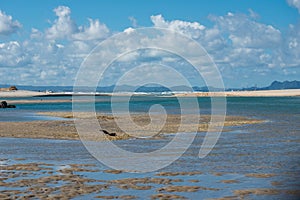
[
  {"x": 4, "y": 104},
  {"x": 11, "y": 106},
  {"x": 12, "y": 88},
  {"x": 108, "y": 133}
]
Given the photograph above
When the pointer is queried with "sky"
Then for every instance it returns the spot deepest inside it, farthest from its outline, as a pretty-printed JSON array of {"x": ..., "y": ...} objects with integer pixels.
[{"x": 252, "y": 42}]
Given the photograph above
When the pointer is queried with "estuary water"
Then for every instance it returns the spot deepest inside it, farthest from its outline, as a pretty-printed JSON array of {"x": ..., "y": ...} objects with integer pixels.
[{"x": 270, "y": 148}]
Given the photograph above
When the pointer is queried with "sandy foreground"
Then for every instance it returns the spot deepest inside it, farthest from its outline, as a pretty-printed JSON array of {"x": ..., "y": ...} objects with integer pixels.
[
  {"x": 141, "y": 126},
  {"x": 260, "y": 93}
]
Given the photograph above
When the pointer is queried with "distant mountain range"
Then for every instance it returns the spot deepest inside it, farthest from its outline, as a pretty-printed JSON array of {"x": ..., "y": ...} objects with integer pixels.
[{"x": 276, "y": 85}]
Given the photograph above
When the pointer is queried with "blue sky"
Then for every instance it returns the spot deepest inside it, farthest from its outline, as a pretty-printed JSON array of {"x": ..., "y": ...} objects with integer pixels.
[
  {"x": 115, "y": 13},
  {"x": 251, "y": 41}
]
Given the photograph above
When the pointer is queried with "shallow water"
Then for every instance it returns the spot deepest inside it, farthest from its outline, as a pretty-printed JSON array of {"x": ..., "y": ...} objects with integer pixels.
[
  {"x": 14, "y": 115},
  {"x": 268, "y": 148}
]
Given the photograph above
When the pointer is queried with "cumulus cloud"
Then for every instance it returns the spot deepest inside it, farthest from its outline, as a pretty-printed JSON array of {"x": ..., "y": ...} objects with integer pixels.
[
  {"x": 247, "y": 43},
  {"x": 64, "y": 26},
  {"x": 51, "y": 56},
  {"x": 294, "y": 3},
  {"x": 191, "y": 29},
  {"x": 245, "y": 32},
  {"x": 244, "y": 49},
  {"x": 290, "y": 53},
  {"x": 95, "y": 30},
  {"x": 12, "y": 54},
  {"x": 8, "y": 25}
]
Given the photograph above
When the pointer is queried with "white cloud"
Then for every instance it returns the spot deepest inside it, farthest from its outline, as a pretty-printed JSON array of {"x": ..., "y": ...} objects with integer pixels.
[
  {"x": 244, "y": 49},
  {"x": 191, "y": 29},
  {"x": 12, "y": 55},
  {"x": 8, "y": 25},
  {"x": 290, "y": 52},
  {"x": 64, "y": 26},
  {"x": 241, "y": 46},
  {"x": 129, "y": 30},
  {"x": 51, "y": 56},
  {"x": 95, "y": 30},
  {"x": 133, "y": 21},
  {"x": 36, "y": 34},
  {"x": 294, "y": 3},
  {"x": 244, "y": 31}
]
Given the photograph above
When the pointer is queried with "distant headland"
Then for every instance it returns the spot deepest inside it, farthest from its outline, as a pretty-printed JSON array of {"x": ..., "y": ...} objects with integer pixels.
[{"x": 276, "y": 88}]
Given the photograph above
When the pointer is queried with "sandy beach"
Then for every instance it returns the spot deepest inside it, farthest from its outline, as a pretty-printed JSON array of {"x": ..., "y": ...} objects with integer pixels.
[
  {"x": 259, "y": 93},
  {"x": 20, "y": 93}
]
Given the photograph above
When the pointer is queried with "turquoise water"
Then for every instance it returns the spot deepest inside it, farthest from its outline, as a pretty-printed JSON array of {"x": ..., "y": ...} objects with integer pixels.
[
  {"x": 245, "y": 106},
  {"x": 269, "y": 108},
  {"x": 102, "y": 104},
  {"x": 272, "y": 147}
]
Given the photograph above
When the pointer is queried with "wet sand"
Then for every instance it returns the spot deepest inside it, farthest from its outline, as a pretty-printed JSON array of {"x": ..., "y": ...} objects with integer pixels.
[
  {"x": 42, "y": 180},
  {"x": 65, "y": 129}
]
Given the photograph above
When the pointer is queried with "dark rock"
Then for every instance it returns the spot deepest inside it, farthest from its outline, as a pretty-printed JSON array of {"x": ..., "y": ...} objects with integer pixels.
[
  {"x": 4, "y": 104},
  {"x": 108, "y": 133},
  {"x": 12, "y": 88},
  {"x": 11, "y": 106}
]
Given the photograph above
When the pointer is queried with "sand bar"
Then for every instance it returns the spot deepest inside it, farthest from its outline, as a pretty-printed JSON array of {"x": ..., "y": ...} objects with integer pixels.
[
  {"x": 65, "y": 129},
  {"x": 20, "y": 93},
  {"x": 259, "y": 93},
  {"x": 28, "y": 93}
]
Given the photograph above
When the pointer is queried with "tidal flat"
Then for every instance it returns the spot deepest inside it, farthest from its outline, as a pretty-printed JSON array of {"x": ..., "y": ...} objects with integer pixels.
[
  {"x": 22, "y": 178},
  {"x": 256, "y": 156},
  {"x": 65, "y": 129}
]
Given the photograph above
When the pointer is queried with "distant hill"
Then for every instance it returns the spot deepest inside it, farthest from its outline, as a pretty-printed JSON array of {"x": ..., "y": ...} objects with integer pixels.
[
  {"x": 154, "y": 88},
  {"x": 276, "y": 85}
]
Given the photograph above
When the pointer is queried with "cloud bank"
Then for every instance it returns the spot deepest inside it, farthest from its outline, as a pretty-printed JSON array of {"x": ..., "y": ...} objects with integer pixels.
[{"x": 246, "y": 51}]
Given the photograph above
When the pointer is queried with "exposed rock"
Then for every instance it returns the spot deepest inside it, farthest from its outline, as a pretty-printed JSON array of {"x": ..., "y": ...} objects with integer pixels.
[
  {"x": 4, "y": 104},
  {"x": 11, "y": 106},
  {"x": 12, "y": 88},
  {"x": 108, "y": 133}
]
